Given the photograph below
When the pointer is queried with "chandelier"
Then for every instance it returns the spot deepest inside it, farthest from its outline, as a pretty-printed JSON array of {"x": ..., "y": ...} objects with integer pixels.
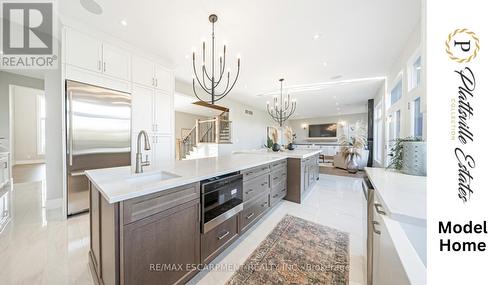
[
  {"x": 210, "y": 82},
  {"x": 282, "y": 109}
]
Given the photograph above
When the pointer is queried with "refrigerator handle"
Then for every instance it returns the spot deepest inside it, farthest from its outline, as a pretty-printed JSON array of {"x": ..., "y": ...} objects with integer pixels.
[{"x": 70, "y": 128}]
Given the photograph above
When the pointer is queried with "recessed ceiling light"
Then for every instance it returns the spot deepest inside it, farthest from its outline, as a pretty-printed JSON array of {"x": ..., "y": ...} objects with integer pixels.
[
  {"x": 124, "y": 22},
  {"x": 337, "y": 103},
  {"x": 325, "y": 63},
  {"x": 334, "y": 97},
  {"x": 316, "y": 36},
  {"x": 92, "y": 6}
]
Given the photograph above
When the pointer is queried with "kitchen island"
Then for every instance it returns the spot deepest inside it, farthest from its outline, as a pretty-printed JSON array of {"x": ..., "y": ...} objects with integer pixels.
[
  {"x": 398, "y": 225},
  {"x": 151, "y": 228},
  {"x": 303, "y": 169}
]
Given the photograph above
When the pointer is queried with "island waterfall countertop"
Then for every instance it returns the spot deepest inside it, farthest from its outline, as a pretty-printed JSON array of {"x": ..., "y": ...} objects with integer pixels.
[
  {"x": 119, "y": 183},
  {"x": 297, "y": 153},
  {"x": 404, "y": 196}
]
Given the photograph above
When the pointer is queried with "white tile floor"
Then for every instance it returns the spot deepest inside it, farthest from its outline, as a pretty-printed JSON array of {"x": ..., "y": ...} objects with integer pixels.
[{"x": 39, "y": 247}]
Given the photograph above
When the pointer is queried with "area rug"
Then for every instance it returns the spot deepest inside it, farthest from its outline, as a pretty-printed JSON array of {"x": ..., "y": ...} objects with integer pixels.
[{"x": 297, "y": 252}]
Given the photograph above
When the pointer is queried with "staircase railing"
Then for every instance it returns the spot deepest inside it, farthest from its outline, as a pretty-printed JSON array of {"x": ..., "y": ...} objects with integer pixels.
[
  {"x": 186, "y": 144},
  {"x": 216, "y": 130}
]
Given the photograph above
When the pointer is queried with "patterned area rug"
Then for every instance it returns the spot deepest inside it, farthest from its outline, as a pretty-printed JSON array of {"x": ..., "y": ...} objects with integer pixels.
[{"x": 298, "y": 252}]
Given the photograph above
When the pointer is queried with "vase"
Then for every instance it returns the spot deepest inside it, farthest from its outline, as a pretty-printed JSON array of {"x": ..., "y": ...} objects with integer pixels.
[
  {"x": 276, "y": 147},
  {"x": 290, "y": 146},
  {"x": 351, "y": 164}
]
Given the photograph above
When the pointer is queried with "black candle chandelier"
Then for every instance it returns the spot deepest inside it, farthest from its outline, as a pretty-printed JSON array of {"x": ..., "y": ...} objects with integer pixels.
[
  {"x": 210, "y": 82},
  {"x": 280, "y": 112}
]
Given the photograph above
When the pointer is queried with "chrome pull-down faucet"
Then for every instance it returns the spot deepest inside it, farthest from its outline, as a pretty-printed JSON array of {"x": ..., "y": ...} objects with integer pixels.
[{"x": 139, "y": 163}]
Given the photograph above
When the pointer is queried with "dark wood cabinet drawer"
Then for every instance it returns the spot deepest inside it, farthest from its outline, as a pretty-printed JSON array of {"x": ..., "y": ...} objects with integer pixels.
[
  {"x": 217, "y": 239},
  {"x": 142, "y": 207},
  {"x": 254, "y": 172},
  {"x": 277, "y": 193},
  {"x": 278, "y": 164},
  {"x": 278, "y": 176},
  {"x": 169, "y": 237},
  {"x": 254, "y": 187},
  {"x": 253, "y": 210}
]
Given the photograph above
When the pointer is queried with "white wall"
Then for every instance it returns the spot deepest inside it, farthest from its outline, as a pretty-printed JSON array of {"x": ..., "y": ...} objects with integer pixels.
[
  {"x": 302, "y": 135},
  {"x": 249, "y": 131},
  {"x": 380, "y": 99},
  {"x": 399, "y": 69},
  {"x": 25, "y": 124}
]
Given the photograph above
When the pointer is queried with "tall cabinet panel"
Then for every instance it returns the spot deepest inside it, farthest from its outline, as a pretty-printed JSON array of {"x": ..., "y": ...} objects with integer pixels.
[
  {"x": 164, "y": 112},
  {"x": 143, "y": 109},
  {"x": 153, "y": 109}
]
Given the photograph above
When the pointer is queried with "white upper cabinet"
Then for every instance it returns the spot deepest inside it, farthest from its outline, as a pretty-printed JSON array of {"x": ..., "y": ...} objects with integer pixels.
[
  {"x": 89, "y": 53},
  {"x": 163, "y": 111},
  {"x": 83, "y": 51},
  {"x": 147, "y": 73},
  {"x": 164, "y": 78},
  {"x": 116, "y": 62},
  {"x": 143, "y": 71},
  {"x": 143, "y": 109}
]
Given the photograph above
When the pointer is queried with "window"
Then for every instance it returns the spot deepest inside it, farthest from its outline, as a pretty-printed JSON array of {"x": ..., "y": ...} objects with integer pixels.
[
  {"x": 414, "y": 72},
  {"x": 378, "y": 141},
  {"x": 418, "y": 118},
  {"x": 41, "y": 124},
  {"x": 394, "y": 125},
  {"x": 397, "y": 92}
]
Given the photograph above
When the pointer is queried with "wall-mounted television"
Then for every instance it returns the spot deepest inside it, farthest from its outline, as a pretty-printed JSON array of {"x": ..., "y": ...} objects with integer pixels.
[{"x": 323, "y": 130}]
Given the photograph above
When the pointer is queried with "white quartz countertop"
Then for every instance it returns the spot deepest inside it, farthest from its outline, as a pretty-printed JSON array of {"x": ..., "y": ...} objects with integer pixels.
[
  {"x": 296, "y": 153},
  {"x": 403, "y": 196},
  {"x": 116, "y": 184}
]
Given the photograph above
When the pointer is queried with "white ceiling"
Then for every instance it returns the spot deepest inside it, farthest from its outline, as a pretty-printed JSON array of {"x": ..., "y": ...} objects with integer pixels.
[{"x": 358, "y": 39}]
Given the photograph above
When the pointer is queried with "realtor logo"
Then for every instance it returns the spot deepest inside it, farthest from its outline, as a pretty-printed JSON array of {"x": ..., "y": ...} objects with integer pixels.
[
  {"x": 462, "y": 45},
  {"x": 28, "y": 35}
]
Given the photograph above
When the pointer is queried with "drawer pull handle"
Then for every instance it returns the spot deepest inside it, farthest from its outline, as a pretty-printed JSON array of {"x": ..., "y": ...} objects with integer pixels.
[
  {"x": 274, "y": 178},
  {"x": 275, "y": 195},
  {"x": 263, "y": 184},
  {"x": 374, "y": 228},
  {"x": 283, "y": 190},
  {"x": 224, "y": 235},
  {"x": 247, "y": 192},
  {"x": 250, "y": 216},
  {"x": 263, "y": 204},
  {"x": 378, "y": 209}
]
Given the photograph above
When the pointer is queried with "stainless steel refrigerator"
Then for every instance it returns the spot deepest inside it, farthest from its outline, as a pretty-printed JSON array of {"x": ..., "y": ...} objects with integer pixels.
[{"x": 98, "y": 134}]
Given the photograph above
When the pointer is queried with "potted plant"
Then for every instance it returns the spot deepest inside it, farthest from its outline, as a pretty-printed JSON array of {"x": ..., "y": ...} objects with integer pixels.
[
  {"x": 352, "y": 147},
  {"x": 274, "y": 134},
  {"x": 290, "y": 136},
  {"x": 407, "y": 155}
]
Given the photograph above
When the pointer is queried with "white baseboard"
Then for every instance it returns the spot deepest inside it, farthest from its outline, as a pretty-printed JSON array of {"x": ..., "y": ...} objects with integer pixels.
[
  {"x": 34, "y": 161},
  {"x": 53, "y": 203}
]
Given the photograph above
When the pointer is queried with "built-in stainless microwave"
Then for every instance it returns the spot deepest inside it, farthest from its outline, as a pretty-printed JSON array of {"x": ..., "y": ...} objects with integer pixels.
[{"x": 221, "y": 199}]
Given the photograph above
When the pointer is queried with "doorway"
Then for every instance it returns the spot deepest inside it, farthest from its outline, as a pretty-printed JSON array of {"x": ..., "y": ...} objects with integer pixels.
[{"x": 27, "y": 132}]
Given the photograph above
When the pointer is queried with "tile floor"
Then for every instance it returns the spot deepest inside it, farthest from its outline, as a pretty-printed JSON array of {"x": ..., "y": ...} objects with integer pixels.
[{"x": 38, "y": 246}]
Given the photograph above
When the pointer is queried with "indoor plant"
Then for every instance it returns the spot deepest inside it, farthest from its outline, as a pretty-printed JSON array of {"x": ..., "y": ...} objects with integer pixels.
[
  {"x": 274, "y": 135},
  {"x": 290, "y": 136},
  {"x": 414, "y": 164},
  {"x": 352, "y": 147}
]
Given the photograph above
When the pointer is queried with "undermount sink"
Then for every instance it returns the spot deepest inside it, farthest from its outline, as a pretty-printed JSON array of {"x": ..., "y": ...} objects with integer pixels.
[{"x": 151, "y": 177}]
